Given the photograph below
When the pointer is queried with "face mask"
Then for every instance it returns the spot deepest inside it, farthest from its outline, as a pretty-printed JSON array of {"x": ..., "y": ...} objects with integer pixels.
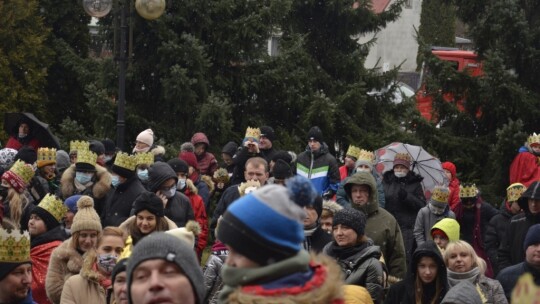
[
  {"x": 400, "y": 174},
  {"x": 437, "y": 208},
  {"x": 170, "y": 193},
  {"x": 143, "y": 174},
  {"x": 106, "y": 262},
  {"x": 115, "y": 181},
  {"x": 22, "y": 135},
  {"x": 82, "y": 177},
  {"x": 108, "y": 158},
  {"x": 363, "y": 170},
  {"x": 181, "y": 183}
]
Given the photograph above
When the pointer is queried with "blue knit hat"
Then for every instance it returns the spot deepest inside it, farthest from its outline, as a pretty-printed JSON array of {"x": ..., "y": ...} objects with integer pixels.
[
  {"x": 532, "y": 237},
  {"x": 265, "y": 226},
  {"x": 71, "y": 202}
]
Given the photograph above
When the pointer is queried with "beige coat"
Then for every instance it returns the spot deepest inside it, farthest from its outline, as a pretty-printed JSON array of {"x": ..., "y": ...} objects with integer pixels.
[
  {"x": 84, "y": 288},
  {"x": 64, "y": 263}
]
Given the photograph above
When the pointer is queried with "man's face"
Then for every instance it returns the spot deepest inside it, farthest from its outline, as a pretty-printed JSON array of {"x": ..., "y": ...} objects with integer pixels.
[
  {"x": 360, "y": 194},
  {"x": 532, "y": 255},
  {"x": 311, "y": 217},
  {"x": 326, "y": 223},
  {"x": 24, "y": 129},
  {"x": 119, "y": 288},
  {"x": 264, "y": 143},
  {"x": 256, "y": 173},
  {"x": 349, "y": 162},
  {"x": 160, "y": 281},
  {"x": 534, "y": 205},
  {"x": 314, "y": 145},
  {"x": 15, "y": 286},
  {"x": 236, "y": 259}
]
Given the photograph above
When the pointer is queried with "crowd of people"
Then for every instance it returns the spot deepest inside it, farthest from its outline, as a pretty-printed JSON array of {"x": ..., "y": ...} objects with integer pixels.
[{"x": 97, "y": 225}]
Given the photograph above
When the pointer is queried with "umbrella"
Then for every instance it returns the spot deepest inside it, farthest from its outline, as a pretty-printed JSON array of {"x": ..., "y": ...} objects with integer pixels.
[
  {"x": 423, "y": 163},
  {"x": 40, "y": 130}
]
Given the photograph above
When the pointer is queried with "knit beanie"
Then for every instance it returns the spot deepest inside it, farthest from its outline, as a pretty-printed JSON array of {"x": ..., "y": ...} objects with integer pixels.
[
  {"x": 265, "y": 226},
  {"x": 27, "y": 155},
  {"x": 120, "y": 267},
  {"x": 160, "y": 245},
  {"x": 19, "y": 175},
  {"x": 281, "y": 170},
  {"x": 178, "y": 165},
  {"x": 51, "y": 210},
  {"x": 97, "y": 147},
  {"x": 187, "y": 147},
  {"x": 315, "y": 133},
  {"x": 268, "y": 132},
  {"x": 284, "y": 155},
  {"x": 402, "y": 159},
  {"x": 158, "y": 173},
  {"x": 71, "y": 202},
  {"x": 86, "y": 217},
  {"x": 302, "y": 190},
  {"x": 7, "y": 157},
  {"x": 352, "y": 218},
  {"x": 109, "y": 145},
  {"x": 532, "y": 237},
  {"x": 62, "y": 160},
  {"x": 148, "y": 201},
  {"x": 190, "y": 159},
  {"x": 147, "y": 137}
]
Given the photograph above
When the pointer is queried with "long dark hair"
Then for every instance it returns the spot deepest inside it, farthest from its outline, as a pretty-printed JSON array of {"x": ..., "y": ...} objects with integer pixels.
[{"x": 137, "y": 235}]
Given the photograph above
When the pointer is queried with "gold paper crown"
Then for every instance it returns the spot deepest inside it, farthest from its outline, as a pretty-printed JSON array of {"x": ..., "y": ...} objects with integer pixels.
[
  {"x": 54, "y": 206},
  {"x": 403, "y": 156},
  {"x": 125, "y": 161},
  {"x": 468, "y": 190},
  {"x": 253, "y": 133},
  {"x": 87, "y": 157},
  {"x": 525, "y": 291},
  {"x": 353, "y": 151},
  {"x": 146, "y": 158},
  {"x": 76, "y": 145},
  {"x": 533, "y": 139},
  {"x": 46, "y": 156},
  {"x": 221, "y": 176},
  {"x": 23, "y": 170},
  {"x": 514, "y": 191},
  {"x": 14, "y": 246},
  {"x": 440, "y": 194},
  {"x": 248, "y": 186},
  {"x": 366, "y": 155}
]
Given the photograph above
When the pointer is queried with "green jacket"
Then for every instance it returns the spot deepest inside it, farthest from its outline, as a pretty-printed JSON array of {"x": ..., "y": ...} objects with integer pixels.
[{"x": 381, "y": 226}]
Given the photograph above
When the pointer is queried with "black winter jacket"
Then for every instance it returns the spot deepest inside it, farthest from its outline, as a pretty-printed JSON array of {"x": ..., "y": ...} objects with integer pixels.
[
  {"x": 119, "y": 202},
  {"x": 495, "y": 233},
  {"x": 509, "y": 276},
  {"x": 317, "y": 240}
]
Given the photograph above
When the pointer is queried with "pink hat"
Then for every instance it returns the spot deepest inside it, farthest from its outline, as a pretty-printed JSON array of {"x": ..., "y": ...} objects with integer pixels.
[{"x": 146, "y": 136}]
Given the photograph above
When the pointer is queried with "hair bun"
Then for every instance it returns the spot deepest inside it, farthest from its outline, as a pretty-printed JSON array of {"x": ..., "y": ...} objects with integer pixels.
[{"x": 85, "y": 202}]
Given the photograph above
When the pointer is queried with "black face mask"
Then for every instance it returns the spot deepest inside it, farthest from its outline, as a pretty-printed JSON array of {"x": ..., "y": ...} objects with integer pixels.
[{"x": 3, "y": 192}]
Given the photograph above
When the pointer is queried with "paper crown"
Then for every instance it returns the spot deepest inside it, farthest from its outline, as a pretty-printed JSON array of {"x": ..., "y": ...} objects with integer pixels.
[
  {"x": 402, "y": 156},
  {"x": 76, "y": 145},
  {"x": 125, "y": 161},
  {"x": 23, "y": 170},
  {"x": 468, "y": 190},
  {"x": 146, "y": 158},
  {"x": 247, "y": 187},
  {"x": 366, "y": 155},
  {"x": 221, "y": 176},
  {"x": 353, "y": 151},
  {"x": 87, "y": 157},
  {"x": 254, "y": 133},
  {"x": 525, "y": 291},
  {"x": 533, "y": 139},
  {"x": 514, "y": 191},
  {"x": 54, "y": 206},
  {"x": 440, "y": 194},
  {"x": 14, "y": 246},
  {"x": 46, "y": 156}
]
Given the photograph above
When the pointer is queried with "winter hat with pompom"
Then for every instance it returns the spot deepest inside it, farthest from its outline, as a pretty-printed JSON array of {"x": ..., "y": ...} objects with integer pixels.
[
  {"x": 86, "y": 217},
  {"x": 302, "y": 191},
  {"x": 265, "y": 226}
]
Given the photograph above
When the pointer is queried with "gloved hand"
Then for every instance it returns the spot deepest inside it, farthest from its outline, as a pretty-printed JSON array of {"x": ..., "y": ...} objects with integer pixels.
[{"x": 402, "y": 194}]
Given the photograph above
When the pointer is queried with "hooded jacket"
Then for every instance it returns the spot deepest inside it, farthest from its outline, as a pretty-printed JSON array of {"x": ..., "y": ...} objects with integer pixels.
[
  {"x": 404, "y": 292},
  {"x": 320, "y": 167},
  {"x": 381, "y": 226},
  {"x": 425, "y": 221},
  {"x": 511, "y": 251},
  {"x": 64, "y": 263},
  {"x": 207, "y": 161},
  {"x": 451, "y": 231},
  {"x": 404, "y": 209},
  {"x": 199, "y": 213},
  {"x": 453, "y": 185},
  {"x": 120, "y": 200},
  {"x": 343, "y": 199}
]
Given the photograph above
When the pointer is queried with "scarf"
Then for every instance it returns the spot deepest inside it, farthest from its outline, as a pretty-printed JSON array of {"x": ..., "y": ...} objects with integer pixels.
[
  {"x": 143, "y": 150},
  {"x": 342, "y": 253},
  {"x": 105, "y": 282},
  {"x": 80, "y": 187},
  {"x": 455, "y": 277}
]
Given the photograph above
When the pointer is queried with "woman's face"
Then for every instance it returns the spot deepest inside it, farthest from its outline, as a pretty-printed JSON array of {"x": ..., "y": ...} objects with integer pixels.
[
  {"x": 87, "y": 239},
  {"x": 111, "y": 244},
  {"x": 344, "y": 235},
  {"x": 36, "y": 226},
  {"x": 460, "y": 260},
  {"x": 427, "y": 270},
  {"x": 146, "y": 222}
]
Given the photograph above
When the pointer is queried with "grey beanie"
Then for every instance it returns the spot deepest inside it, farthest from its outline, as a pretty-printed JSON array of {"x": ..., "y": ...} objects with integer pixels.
[{"x": 160, "y": 245}]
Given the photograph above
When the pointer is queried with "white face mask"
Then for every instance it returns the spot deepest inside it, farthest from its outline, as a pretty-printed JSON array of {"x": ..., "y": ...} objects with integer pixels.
[
  {"x": 363, "y": 169},
  {"x": 400, "y": 174},
  {"x": 170, "y": 193}
]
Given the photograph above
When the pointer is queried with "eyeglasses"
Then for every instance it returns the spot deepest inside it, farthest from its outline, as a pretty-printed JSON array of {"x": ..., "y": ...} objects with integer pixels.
[{"x": 165, "y": 188}]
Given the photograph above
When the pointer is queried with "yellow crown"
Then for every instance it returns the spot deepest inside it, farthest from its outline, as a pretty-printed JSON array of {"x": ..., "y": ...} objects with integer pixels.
[
  {"x": 54, "y": 205},
  {"x": 403, "y": 156},
  {"x": 533, "y": 139},
  {"x": 76, "y": 145},
  {"x": 23, "y": 170},
  {"x": 366, "y": 155},
  {"x": 146, "y": 158},
  {"x": 440, "y": 194},
  {"x": 525, "y": 291},
  {"x": 46, "y": 156},
  {"x": 248, "y": 187},
  {"x": 514, "y": 191},
  {"x": 468, "y": 190},
  {"x": 87, "y": 157},
  {"x": 125, "y": 161},
  {"x": 353, "y": 151},
  {"x": 221, "y": 176},
  {"x": 14, "y": 246},
  {"x": 253, "y": 133}
]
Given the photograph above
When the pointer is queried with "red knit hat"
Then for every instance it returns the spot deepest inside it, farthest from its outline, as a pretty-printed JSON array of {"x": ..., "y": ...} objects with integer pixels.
[
  {"x": 189, "y": 158},
  {"x": 438, "y": 232}
]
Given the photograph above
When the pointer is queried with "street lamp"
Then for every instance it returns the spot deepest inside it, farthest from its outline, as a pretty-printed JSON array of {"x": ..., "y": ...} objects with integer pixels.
[{"x": 148, "y": 9}]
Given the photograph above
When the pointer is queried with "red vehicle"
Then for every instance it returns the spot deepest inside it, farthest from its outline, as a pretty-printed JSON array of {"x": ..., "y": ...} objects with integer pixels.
[{"x": 463, "y": 61}]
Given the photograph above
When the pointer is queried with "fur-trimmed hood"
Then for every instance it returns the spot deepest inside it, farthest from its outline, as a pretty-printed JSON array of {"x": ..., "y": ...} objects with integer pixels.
[
  {"x": 100, "y": 188},
  {"x": 125, "y": 225}
]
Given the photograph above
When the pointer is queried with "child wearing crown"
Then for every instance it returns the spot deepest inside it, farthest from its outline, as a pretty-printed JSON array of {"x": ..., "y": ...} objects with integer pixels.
[
  {"x": 436, "y": 210},
  {"x": 525, "y": 167}
]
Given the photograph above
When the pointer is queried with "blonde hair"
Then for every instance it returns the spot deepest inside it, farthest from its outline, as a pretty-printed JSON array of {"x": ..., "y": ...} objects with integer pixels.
[
  {"x": 17, "y": 203},
  {"x": 460, "y": 245}
]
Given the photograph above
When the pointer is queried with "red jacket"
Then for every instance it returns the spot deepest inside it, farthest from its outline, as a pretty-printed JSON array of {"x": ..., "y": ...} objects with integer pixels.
[
  {"x": 14, "y": 143},
  {"x": 199, "y": 211},
  {"x": 40, "y": 256},
  {"x": 453, "y": 186},
  {"x": 344, "y": 172},
  {"x": 525, "y": 169}
]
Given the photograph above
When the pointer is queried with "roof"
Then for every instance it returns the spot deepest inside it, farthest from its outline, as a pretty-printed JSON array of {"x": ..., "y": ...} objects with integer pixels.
[{"x": 379, "y": 5}]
